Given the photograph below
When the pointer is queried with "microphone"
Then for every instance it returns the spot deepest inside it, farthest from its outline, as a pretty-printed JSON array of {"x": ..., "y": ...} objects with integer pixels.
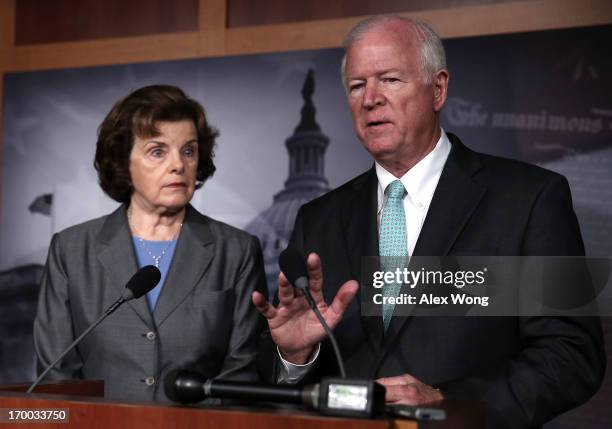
[
  {"x": 334, "y": 397},
  {"x": 293, "y": 264},
  {"x": 142, "y": 282},
  {"x": 188, "y": 387}
]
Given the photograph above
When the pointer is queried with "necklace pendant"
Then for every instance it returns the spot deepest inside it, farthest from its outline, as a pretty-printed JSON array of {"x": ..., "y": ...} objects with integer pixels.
[{"x": 157, "y": 258}]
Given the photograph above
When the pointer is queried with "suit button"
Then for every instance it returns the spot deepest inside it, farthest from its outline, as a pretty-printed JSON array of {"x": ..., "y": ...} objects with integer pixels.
[
  {"x": 151, "y": 336},
  {"x": 150, "y": 381}
]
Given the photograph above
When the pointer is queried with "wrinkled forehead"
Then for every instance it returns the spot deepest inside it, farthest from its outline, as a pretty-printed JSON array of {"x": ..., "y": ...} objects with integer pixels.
[
  {"x": 147, "y": 126},
  {"x": 379, "y": 50}
]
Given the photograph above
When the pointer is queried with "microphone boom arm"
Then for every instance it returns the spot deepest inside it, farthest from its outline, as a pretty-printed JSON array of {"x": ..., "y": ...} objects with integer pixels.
[{"x": 111, "y": 309}]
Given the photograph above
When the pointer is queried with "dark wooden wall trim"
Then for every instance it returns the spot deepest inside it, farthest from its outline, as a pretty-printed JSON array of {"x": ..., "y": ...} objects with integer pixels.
[
  {"x": 72, "y": 20},
  {"x": 213, "y": 38},
  {"x": 244, "y": 13}
]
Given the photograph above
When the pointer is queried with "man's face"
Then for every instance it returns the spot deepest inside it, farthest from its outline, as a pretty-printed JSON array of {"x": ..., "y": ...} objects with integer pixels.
[{"x": 394, "y": 111}]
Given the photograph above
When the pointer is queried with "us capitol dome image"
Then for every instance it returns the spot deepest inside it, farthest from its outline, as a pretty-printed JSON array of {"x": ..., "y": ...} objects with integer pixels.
[{"x": 306, "y": 181}]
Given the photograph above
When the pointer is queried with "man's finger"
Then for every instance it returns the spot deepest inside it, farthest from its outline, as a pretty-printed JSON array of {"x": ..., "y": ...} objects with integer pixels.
[
  {"x": 344, "y": 297},
  {"x": 282, "y": 279},
  {"x": 262, "y": 305},
  {"x": 398, "y": 380},
  {"x": 285, "y": 291},
  {"x": 315, "y": 274},
  {"x": 404, "y": 394},
  {"x": 390, "y": 381}
]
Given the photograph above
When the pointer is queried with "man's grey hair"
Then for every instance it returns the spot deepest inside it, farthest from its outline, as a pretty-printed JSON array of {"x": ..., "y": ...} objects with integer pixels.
[{"x": 433, "y": 57}]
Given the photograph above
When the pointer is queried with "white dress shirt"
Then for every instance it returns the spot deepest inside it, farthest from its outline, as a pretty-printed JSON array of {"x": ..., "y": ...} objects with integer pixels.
[{"x": 420, "y": 183}]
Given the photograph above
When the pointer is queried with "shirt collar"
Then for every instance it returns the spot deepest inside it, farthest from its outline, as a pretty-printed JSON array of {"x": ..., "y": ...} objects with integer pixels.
[{"x": 421, "y": 180}]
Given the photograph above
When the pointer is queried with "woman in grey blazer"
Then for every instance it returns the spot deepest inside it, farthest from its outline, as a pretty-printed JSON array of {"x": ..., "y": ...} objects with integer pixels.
[{"x": 154, "y": 149}]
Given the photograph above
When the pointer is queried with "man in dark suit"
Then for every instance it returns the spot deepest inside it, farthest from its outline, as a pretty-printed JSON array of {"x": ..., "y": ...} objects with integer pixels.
[{"x": 452, "y": 201}]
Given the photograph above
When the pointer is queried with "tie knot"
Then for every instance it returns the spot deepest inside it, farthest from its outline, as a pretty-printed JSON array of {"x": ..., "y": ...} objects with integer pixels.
[{"x": 396, "y": 190}]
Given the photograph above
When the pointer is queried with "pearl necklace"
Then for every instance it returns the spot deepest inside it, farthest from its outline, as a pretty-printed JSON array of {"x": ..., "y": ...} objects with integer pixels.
[{"x": 157, "y": 259}]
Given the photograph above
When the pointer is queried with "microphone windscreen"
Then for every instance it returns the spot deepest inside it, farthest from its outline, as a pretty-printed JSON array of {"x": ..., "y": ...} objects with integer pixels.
[
  {"x": 293, "y": 264},
  {"x": 184, "y": 386},
  {"x": 143, "y": 281}
]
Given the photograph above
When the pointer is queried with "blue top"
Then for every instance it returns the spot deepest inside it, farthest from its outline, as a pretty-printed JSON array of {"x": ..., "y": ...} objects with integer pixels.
[{"x": 144, "y": 258}]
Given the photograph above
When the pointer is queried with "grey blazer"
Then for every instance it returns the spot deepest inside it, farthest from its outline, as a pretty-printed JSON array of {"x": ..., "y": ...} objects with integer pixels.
[{"x": 203, "y": 315}]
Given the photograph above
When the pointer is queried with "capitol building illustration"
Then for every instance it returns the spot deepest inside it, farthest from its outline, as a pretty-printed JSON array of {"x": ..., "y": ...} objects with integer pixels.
[{"x": 306, "y": 181}]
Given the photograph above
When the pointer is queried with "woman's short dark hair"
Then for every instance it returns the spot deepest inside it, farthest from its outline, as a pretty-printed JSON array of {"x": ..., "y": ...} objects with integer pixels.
[{"x": 137, "y": 115}]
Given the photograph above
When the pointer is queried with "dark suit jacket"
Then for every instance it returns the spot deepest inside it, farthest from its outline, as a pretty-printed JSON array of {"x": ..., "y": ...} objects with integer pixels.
[
  {"x": 526, "y": 369},
  {"x": 204, "y": 313}
]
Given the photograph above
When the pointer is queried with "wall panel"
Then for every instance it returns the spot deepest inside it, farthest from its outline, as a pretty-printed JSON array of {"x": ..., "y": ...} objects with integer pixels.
[
  {"x": 463, "y": 21},
  {"x": 7, "y": 31},
  {"x": 244, "y": 13},
  {"x": 211, "y": 18},
  {"x": 72, "y": 20},
  {"x": 213, "y": 39}
]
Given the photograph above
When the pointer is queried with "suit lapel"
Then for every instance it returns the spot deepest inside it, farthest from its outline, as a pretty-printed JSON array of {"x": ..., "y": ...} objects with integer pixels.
[
  {"x": 194, "y": 252},
  {"x": 455, "y": 199},
  {"x": 357, "y": 215},
  {"x": 116, "y": 254},
  {"x": 359, "y": 222}
]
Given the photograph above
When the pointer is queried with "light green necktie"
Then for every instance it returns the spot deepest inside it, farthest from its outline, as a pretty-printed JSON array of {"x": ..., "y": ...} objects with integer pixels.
[{"x": 392, "y": 242}]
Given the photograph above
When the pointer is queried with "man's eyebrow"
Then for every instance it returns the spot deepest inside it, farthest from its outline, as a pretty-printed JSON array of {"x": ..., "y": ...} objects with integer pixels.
[
  {"x": 394, "y": 70},
  {"x": 379, "y": 73}
]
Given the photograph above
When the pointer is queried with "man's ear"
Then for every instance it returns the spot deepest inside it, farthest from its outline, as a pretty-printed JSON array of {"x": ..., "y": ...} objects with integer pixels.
[{"x": 440, "y": 88}]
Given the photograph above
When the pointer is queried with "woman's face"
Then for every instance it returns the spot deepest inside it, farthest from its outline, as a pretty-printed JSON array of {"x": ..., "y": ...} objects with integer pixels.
[{"x": 163, "y": 168}]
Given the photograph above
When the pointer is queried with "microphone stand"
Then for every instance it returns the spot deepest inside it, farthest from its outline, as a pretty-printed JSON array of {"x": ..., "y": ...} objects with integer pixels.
[
  {"x": 104, "y": 315},
  {"x": 327, "y": 330}
]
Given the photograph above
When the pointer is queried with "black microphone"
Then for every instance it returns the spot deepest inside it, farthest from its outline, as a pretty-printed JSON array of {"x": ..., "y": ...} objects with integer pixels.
[
  {"x": 335, "y": 397},
  {"x": 189, "y": 387},
  {"x": 142, "y": 282},
  {"x": 293, "y": 264}
]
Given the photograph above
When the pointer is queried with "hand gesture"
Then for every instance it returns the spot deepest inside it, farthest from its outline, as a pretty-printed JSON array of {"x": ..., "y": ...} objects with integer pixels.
[{"x": 293, "y": 325}]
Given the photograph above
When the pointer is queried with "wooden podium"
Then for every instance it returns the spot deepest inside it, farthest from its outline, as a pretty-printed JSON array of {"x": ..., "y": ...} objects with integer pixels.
[{"x": 88, "y": 409}]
